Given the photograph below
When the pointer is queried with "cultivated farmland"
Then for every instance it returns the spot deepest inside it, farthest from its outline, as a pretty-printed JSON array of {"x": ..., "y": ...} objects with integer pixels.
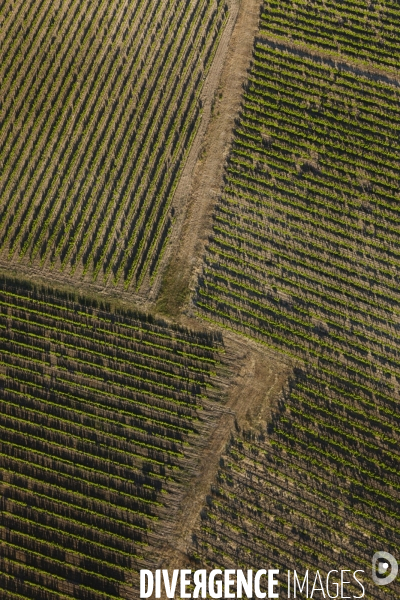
[
  {"x": 319, "y": 488},
  {"x": 303, "y": 257},
  {"x": 100, "y": 103},
  {"x": 366, "y": 32},
  {"x": 271, "y": 438},
  {"x": 103, "y": 413},
  {"x": 305, "y": 242}
]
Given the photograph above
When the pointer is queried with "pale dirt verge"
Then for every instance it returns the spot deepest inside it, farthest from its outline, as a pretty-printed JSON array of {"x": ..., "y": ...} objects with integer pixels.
[
  {"x": 187, "y": 249},
  {"x": 253, "y": 392},
  {"x": 257, "y": 375},
  {"x": 183, "y": 190}
]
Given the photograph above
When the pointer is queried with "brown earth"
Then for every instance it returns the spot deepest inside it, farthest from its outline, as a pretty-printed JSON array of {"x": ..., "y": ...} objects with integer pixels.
[
  {"x": 259, "y": 375},
  {"x": 255, "y": 386},
  {"x": 186, "y": 251},
  {"x": 256, "y": 375}
]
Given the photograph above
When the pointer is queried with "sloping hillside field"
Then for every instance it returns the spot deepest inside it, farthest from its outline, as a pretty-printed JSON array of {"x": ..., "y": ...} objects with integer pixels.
[
  {"x": 102, "y": 416},
  {"x": 199, "y": 299},
  {"x": 100, "y": 105}
]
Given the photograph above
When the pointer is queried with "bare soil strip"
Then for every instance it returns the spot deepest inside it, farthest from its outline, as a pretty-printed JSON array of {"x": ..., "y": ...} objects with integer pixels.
[
  {"x": 256, "y": 385},
  {"x": 186, "y": 251},
  {"x": 183, "y": 190}
]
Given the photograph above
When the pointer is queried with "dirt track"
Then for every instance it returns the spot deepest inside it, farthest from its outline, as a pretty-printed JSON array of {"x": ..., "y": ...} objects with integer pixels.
[
  {"x": 187, "y": 249},
  {"x": 259, "y": 380},
  {"x": 253, "y": 393},
  {"x": 260, "y": 376}
]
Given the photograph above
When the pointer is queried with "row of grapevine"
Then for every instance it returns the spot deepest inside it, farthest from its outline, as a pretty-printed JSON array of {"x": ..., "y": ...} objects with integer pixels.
[
  {"x": 305, "y": 242},
  {"x": 303, "y": 257},
  {"x": 319, "y": 491},
  {"x": 102, "y": 415},
  {"x": 101, "y": 103},
  {"x": 364, "y": 31}
]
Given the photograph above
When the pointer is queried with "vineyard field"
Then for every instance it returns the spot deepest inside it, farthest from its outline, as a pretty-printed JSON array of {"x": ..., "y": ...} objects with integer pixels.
[
  {"x": 305, "y": 244},
  {"x": 199, "y": 296},
  {"x": 363, "y": 31},
  {"x": 320, "y": 490},
  {"x": 103, "y": 415},
  {"x": 303, "y": 257},
  {"x": 101, "y": 102}
]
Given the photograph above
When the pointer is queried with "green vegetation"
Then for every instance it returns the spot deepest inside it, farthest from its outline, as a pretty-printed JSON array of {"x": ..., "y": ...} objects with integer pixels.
[
  {"x": 102, "y": 417},
  {"x": 364, "y": 30},
  {"x": 174, "y": 291},
  {"x": 105, "y": 411},
  {"x": 304, "y": 258},
  {"x": 305, "y": 244},
  {"x": 101, "y": 103},
  {"x": 319, "y": 491}
]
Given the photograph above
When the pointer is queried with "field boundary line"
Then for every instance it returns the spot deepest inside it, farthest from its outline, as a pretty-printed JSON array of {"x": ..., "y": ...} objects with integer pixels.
[
  {"x": 183, "y": 259},
  {"x": 183, "y": 189},
  {"x": 261, "y": 381}
]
